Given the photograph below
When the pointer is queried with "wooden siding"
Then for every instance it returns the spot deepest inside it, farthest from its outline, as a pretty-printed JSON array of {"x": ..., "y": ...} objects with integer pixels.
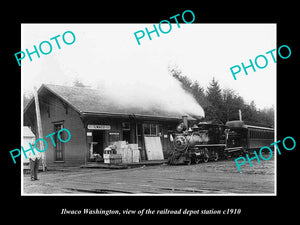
[{"x": 56, "y": 112}]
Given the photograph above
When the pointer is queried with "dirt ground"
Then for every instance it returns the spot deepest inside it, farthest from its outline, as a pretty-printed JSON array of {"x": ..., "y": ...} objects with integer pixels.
[{"x": 212, "y": 178}]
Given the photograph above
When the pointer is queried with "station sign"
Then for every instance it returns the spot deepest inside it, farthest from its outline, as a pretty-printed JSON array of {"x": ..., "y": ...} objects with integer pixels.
[{"x": 98, "y": 127}]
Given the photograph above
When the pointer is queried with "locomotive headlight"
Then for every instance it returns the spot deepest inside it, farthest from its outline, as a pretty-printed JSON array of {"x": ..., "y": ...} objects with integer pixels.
[{"x": 179, "y": 128}]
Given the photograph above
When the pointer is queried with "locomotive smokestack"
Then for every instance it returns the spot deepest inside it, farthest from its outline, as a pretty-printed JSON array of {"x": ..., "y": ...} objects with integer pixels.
[
  {"x": 185, "y": 121},
  {"x": 240, "y": 115}
]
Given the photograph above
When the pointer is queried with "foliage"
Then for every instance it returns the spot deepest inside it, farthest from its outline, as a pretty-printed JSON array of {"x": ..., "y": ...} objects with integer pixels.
[
  {"x": 27, "y": 96},
  {"x": 223, "y": 105}
]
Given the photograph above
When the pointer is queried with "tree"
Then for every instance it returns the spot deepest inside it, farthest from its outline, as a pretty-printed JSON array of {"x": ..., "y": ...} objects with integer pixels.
[
  {"x": 192, "y": 87},
  {"x": 213, "y": 92},
  {"x": 267, "y": 116},
  {"x": 214, "y": 96},
  {"x": 186, "y": 83},
  {"x": 27, "y": 96},
  {"x": 232, "y": 102},
  {"x": 199, "y": 95}
]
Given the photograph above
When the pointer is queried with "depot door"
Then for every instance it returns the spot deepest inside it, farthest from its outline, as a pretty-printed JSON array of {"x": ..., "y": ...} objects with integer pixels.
[
  {"x": 60, "y": 147},
  {"x": 98, "y": 140}
]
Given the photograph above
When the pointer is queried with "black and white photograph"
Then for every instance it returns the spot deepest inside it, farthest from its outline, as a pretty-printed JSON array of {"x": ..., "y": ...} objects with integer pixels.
[
  {"x": 165, "y": 116},
  {"x": 138, "y": 113}
]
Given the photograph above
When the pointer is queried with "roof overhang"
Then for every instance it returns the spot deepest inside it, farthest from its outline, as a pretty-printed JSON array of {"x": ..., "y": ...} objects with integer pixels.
[{"x": 132, "y": 116}]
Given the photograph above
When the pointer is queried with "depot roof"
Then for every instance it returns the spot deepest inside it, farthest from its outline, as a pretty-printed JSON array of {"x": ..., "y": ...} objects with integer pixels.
[{"x": 88, "y": 101}]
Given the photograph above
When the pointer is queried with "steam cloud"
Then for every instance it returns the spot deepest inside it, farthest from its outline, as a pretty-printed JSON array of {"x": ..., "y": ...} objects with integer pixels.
[
  {"x": 126, "y": 84},
  {"x": 150, "y": 91}
]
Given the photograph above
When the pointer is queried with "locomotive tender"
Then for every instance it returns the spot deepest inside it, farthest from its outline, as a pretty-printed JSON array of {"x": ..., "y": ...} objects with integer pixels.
[{"x": 210, "y": 141}]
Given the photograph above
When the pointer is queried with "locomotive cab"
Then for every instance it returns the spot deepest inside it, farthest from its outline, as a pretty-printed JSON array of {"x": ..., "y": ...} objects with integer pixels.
[
  {"x": 215, "y": 132},
  {"x": 236, "y": 137}
]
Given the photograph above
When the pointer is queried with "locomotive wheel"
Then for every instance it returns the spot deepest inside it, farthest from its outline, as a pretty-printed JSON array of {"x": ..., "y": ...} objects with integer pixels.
[
  {"x": 205, "y": 158},
  {"x": 197, "y": 160},
  {"x": 216, "y": 158},
  {"x": 244, "y": 151},
  {"x": 206, "y": 155},
  {"x": 188, "y": 162}
]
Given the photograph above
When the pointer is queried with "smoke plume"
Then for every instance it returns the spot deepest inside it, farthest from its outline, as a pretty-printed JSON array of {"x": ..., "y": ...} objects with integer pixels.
[{"x": 150, "y": 92}]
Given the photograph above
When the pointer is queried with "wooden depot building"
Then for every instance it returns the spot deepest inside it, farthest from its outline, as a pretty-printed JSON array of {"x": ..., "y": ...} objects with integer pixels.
[{"x": 94, "y": 122}]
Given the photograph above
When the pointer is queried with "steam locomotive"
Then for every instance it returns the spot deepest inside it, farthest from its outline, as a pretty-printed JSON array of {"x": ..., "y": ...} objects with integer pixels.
[{"x": 211, "y": 141}]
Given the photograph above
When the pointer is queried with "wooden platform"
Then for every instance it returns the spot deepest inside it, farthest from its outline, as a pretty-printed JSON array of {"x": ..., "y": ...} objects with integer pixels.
[{"x": 123, "y": 165}]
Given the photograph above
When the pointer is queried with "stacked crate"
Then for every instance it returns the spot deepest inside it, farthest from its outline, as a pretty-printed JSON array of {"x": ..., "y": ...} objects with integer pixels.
[
  {"x": 135, "y": 152},
  {"x": 130, "y": 152}
]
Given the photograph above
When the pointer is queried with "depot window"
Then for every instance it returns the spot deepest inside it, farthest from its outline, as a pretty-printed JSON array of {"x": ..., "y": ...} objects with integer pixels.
[
  {"x": 151, "y": 129},
  {"x": 126, "y": 126}
]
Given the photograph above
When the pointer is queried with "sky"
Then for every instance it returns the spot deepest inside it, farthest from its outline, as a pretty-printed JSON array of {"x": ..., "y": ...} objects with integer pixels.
[{"x": 108, "y": 56}]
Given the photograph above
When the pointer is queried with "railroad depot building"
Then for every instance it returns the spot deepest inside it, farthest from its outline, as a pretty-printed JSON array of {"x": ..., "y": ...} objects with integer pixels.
[{"x": 94, "y": 122}]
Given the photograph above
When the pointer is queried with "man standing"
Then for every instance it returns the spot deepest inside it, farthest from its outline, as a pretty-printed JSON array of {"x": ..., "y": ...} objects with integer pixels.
[{"x": 34, "y": 160}]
